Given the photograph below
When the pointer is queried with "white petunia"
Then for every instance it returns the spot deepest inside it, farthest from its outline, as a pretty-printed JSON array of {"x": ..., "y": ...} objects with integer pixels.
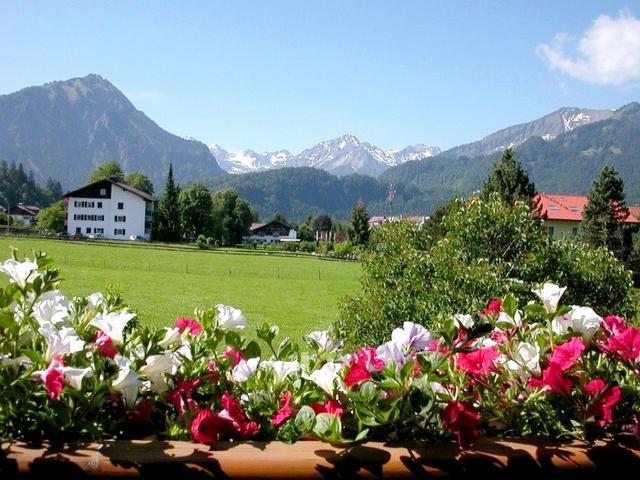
[
  {"x": 585, "y": 321},
  {"x": 245, "y": 369},
  {"x": 128, "y": 383},
  {"x": 391, "y": 352},
  {"x": 411, "y": 335},
  {"x": 73, "y": 376},
  {"x": 96, "y": 301},
  {"x": 52, "y": 307},
  {"x": 323, "y": 339},
  {"x": 526, "y": 360},
  {"x": 113, "y": 324},
  {"x": 560, "y": 325},
  {"x": 326, "y": 376},
  {"x": 550, "y": 294},
  {"x": 461, "y": 320},
  {"x": 229, "y": 317},
  {"x": 157, "y": 366},
  {"x": 60, "y": 342},
  {"x": 516, "y": 320},
  {"x": 281, "y": 369},
  {"x": 171, "y": 337},
  {"x": 20, "y": 273}
]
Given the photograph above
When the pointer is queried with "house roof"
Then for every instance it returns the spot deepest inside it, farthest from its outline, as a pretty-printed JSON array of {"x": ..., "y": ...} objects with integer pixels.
[
  {"x": 635, "y": 211},
  {"x": 126, "y": 187},
  {"x": 22, "y": 209},
  {"x": 568, "y": 208},
  {"x": 258, "y": 226}
]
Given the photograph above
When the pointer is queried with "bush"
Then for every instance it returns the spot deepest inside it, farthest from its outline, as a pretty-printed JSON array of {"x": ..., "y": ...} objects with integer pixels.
[
  {"x": 201, "y": 242},
  {"x": 307, "y": 246},
  {"x": 485, "y": 249}
]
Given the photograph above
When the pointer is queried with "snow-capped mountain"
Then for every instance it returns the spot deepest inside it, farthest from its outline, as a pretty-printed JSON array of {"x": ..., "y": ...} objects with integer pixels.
[{"x": 340, "y": 156}]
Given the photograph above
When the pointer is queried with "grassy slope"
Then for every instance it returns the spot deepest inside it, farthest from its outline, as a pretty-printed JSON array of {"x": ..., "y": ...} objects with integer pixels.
[{"x": 299, "y": 294}]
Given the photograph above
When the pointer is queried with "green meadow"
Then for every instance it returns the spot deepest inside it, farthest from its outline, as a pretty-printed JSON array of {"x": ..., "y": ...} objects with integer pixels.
[{"x": 162, "y": 282}]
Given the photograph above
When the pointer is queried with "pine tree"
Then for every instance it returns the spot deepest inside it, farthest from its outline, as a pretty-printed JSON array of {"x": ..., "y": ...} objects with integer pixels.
[
  {"x": 359, "y": 231},
  {"x": 168, "y": 227},
  {"x": 603, "y": 214},
  {"x": 510, "y": 180}
]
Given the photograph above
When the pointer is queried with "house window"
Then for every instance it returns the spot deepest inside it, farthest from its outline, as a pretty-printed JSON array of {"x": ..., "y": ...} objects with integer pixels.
[
  {"x": 103, "y": 192},
  {"x": 78, "y": 230},
  {"x": 574, "y": 230},
  {"x": 88, "y": 229},
  {"x": 120, "y": 218},
  {"x": 98, "y": 230},
  {"x": 120, "y": 205},
  {"x": 118, "y": 231},
  {"x": 550, "y": 231},
  {"x": 99, "y": 204}
]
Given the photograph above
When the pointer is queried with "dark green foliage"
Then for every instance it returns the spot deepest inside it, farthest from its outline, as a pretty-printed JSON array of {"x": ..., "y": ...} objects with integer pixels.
[
  {"x": 232, "y": 217},
  {"x": 18, "y": 187},
  {"x": 359, "y": 230},
  {"x": 322, "y": 223},
  {"x": 168, "y": 228},
  {"x": 110, "y": 169},
  {"x": 509, "y": 180},
  {"x": 483, "y": 250},
  {"x": 140, "y": 181},
  {"x": 52, "y": 218},
  {"x": 196, "y": 211}
]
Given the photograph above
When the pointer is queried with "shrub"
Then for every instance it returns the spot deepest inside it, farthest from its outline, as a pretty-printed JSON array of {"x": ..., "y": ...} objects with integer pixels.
[
  {"x": 484, "y": 249},
  {"x": 201, "y": 242}
]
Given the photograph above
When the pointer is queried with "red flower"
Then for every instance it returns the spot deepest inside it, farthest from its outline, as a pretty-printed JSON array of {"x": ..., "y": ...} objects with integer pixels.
[
  {"x": 499, "y": 336},
  {"x": 206, "y": 427},
  {"x": 194, "y": 327},
  {"x": 478, "y": 362},
  {"x": 361, "y": 365},
  {"x": 463, "y": 421},
  {"x": 105, "y": 345},
  {"x": 614, "y": 324},
  {"x": 605, "y": 400},
  {"x": 625, "y": 344},
  {"x": 493, "y": 307},
  {"x": 356, "y": 374},
  {"x": 566, "y": 355},
  {"x": 234, "y": 355},
  {"x": 142, "y": 412},
  {"x": 552, "y": 378},
  {"x": 53, "y": 378},
  {"x": 232, "y": 412},
  {"x": 181, "y": 396},
  {"x": 332, "y": 407},
  {"x": 285, "y": 410}
]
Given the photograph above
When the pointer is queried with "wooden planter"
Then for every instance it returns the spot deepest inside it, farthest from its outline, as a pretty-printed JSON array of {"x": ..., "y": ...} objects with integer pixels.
[{"x": 490, "y": 458}]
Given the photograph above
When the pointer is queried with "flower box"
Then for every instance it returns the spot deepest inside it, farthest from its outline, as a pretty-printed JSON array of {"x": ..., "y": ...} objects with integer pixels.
[{"x": 489, "y": 458}]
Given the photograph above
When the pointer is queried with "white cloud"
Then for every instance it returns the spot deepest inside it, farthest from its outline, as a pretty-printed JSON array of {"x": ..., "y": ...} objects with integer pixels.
[
  {"x": 608, "y": 52},
  {"x": 154, "y": 97}
]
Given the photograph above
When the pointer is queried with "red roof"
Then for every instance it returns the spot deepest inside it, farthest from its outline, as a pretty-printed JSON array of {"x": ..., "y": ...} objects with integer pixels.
[{"x": 568, "y": 207}]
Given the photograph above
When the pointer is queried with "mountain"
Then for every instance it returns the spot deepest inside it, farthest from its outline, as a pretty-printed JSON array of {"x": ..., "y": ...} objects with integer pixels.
[
  {"x": 568, "y": 163},
  {"x": 548, "y": 127},
  {"x": 341, "y": 156},
  {"x": 65, "y": 129}
]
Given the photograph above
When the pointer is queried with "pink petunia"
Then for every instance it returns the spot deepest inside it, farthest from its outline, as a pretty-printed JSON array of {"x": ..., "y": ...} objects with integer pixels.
[
  {"x": 234, "y": 355},
  {"x": 332, "y": 407},
  {"x": 206, "y": 427},
  {"x": 53, "y": 378},
  {"x": 493, "y": 307},
  {"x": 478, "y": 362},
  {"x": 180, "y": 397},
  {"x": 232, "y": 412},
  {"x": 605, "y": 399},
  {"x": 463, "y": 421},
  {"x": 361, "y": 366},
  {"x": 105, "y": 345},
  {"x": 285, "y": 411},
  {"x": 613, "y": 324},
  {"x": 566, "y": 355},
  {"x": 553, "y": 379},
  {"x": 193, "y": 325},
  {"x": 626, "y": 344}
]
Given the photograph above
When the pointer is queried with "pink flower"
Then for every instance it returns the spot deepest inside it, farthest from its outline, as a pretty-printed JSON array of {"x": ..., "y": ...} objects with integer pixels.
[
  {"x": 499, "y": 336},
  {"x": 553, "y": 379},
  {"x": 478, "y": 362},
  {"x": 332, "y": 407},
  {"x": 605, "y": 400},
  {"x": 53, "y": 377},
  {"x": 626, "y": 344},
  {"x": 234, "y": 355},
  {"x": 614, "y": 325},
  {"x": 463, "y": 421},
  {"x": 180, "y": 397},
  {"x": 206, "y": 427},
  {"x": 232, "y": 412},
  {"x": 357, "y": 373},
  {"x": 194, "y": 327},
  {"x": 105, "y": 345},
  {"x": 142, "y": 412},
  {"x": 566, "y": 355},
  {"x": 493, "y": 307},
  {"x": 361, "y": 365},
  {"x": 285, "y": 410}
]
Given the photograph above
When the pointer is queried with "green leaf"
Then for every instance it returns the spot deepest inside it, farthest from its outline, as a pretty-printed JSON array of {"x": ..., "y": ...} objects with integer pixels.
[
  {"x": 510, "y": 305},
  {"x": 252, "y": 349},
  {"x": 305, "y": 420}
]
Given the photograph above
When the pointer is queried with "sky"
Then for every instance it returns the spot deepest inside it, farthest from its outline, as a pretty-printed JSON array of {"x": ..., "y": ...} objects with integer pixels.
[{"x": 270, "y": 75}]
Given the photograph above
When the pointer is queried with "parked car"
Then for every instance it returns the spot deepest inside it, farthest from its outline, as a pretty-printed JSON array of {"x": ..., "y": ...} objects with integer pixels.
[
  {"x": 96, "y": 236},
  {"x": 137, "y": 238},
  {"x": 62, "y": 235}
]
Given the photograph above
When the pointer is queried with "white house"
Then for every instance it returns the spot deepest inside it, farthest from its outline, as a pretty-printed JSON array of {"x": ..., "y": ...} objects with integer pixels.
[
  {"x": 110, "y": 209},
  {"x": 272, "y": 232}
]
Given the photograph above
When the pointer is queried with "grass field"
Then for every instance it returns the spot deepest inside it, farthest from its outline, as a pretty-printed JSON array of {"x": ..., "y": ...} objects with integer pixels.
[{"x": 161, "y": 283}]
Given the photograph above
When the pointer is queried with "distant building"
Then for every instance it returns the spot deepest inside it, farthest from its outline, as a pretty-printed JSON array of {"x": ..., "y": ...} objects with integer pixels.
[
  {"x": 25, "y": 214},
  {"x": 110, "y": 209},
  {"x": 377, "y": 221},
  {"x": 271, "y": 232},
  {"x": 562, "y": 214}
]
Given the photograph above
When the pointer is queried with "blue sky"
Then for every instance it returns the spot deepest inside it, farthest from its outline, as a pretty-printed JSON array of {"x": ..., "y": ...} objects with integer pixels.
[{"x": 286, "y": 74}]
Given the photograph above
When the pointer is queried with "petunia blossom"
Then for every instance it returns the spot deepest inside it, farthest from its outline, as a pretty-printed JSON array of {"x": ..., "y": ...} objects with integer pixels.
[
  {"x": 206, "y": 427},
  {"x": 331, "y": 406},
  {"x": 326, "y": 377},
  {"x": 285, "y": 411},
  {"x": 566, "y": 355},
  {"x": 184, "y": 323},
  {"x": 604, "y": 399},
  {"x": 245, "y": 369},
  {"x": 51, "y": 307},
  {"x": 525, "y": 361},
  {"x": 550, "y": 294},
  {"x": 478, "y": 362},
  {"x": 493, "y": 307},
  {"x": 157, "y": 366},
  {"x": 585, "y": 321},
  {"x": 625, "y": 345},
  {"x": 113, "y": 324},
  {"x": 281, "y": 369},
  {"x": 127, "y": 382},
  {"x": 52, "y": 378},
  {"x": 105, "y": 345},
  {"x": 411, "y": 336},
  {"x": 20, "y": 273},
  {"x": 230, "y": 318},
  {"x": 463, "y": 421},
  {"x": 60, "y": 342},
  {"x": 322, "y": 338}
]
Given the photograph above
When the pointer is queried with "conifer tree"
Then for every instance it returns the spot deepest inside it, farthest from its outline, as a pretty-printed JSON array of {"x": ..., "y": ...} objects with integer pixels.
[
  {"x": 359, "y": 231},
  {"x": 510, "y": 180},
  {"x": 168, "y": 213},
  {"x": 602, "y": 219}
]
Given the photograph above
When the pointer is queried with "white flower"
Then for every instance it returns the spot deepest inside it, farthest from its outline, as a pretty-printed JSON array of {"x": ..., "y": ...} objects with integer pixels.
[
  {"x": 526, "y": 360},
  {"x": 53, "y": 307},
  {"x": 465, "y": 321},
  {"x": 73, "y": 376},
  {"x": 20, "y": 273},
  {"x": 585, "y": 321},
  {"x": 516, "y": 320},
  {"x": 560, "y": 325},
  {"x": 550, "y": 294},
  {"x": 411, "y": 335},
  {"x": 391, "y": 352},
  {"x": 326, "y": 376},
  {"x": 60, "y": 342},
  {"x": 244, "y": 369},
  {"x": 157, "y": 367},
  {"x": 229, "y": 317},
  {"x": 281, "y": 369},
  {"x": 95, "y": 301},
  {"x": 113, "y": 324},
  {"x": 324, "y": 341},
  {"x": 128, "y": 383},
  {"x": 171, "y": 337},
  {"x": 185, "y": 351}
]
